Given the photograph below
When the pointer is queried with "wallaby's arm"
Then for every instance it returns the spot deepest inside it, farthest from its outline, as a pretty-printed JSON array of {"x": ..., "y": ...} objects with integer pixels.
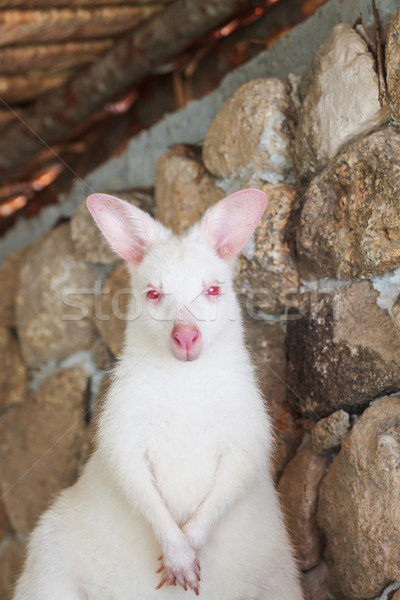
[
  {"x": 134, "y": 476},
  {"x": 232, "y": 476},
  {"x": 136, "y": 480}
]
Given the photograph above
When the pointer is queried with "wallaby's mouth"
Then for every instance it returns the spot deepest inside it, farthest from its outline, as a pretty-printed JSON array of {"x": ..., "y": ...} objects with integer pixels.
[{"x": 186, "y": 342}]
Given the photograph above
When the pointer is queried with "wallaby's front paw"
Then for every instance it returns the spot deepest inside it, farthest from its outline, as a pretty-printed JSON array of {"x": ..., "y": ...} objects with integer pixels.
[
  {"x": 183, "y": 572},
  {"x": 195, "y": 535}
]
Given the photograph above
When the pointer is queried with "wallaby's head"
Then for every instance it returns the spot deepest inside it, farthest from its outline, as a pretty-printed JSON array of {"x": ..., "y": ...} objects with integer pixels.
[{"x": 182, "y": 285}]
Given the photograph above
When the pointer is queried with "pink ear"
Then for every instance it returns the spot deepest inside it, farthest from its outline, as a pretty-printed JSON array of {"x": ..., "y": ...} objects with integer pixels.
[
  {"x": 229, "y": 224},
  {"x": 129, "y": 231}
]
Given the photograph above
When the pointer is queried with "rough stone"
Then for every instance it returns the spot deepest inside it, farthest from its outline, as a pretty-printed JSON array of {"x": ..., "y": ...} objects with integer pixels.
[
  {"x": 9, "y": 274},
  {"x": 266, "y": 269},
  {"x": 329, "y": 432},
  {"x": 183, "y": 190},
  {"x": 395, "y": 314},
  {"x": 340, "y": 100},
  {"x": 51, "y": 283},
  {"x": 358, "y": 509},
  {"x": 40, "y": 446},
  {"x": 102, "y": 356},
  {"x": 4, "y": 524},
  {"x": 342, "y": 349},
  {"x": 89, "y": 244},
  {"x": 298, "y": 491},
  {"x": 391, "y": 592},
  {"x": 350, "y": 220},
  {"x": 252, "y": 134},
  {"x": 12, "y": 557},
  {"x": 393, "y": 65},
  {"x": 111, "y": 308},
  {"x": 315, "y": 584},
  {"x": 13, "y": 373},
  {"x": 267, "y": 345}
]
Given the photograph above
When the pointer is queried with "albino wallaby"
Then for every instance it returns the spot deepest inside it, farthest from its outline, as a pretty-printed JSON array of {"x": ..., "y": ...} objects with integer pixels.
[{"x": 179, "y": 484}]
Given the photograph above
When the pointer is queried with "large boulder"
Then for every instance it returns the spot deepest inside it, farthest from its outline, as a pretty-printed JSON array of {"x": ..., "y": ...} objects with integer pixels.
[
  {"x": 111, "y": 307},
  {"x": 267, "y": 346},
  {"x": 396, "y": 314},
  {"x": 266, "y": 269},
  {"x": 342, "y": 350},
  {"x": 54, "y": 300},
  {"x": 9, "y": 276},
  {"x": 183, "y": 190},
  {"x": 298, "y": 491},
  {"x": 13, "y": 373},
  {"x": 315, "y": 584},
  {"x": 350, "y": 220},
  {"x": 340, "y": 100},
  {"x": 40, "y": 446},
  {"x": 251, "y": 138},
  {"x": 393, "y": 65},
  {"x": 12, "y": 555},
  {"x": 358, "y": 511}
]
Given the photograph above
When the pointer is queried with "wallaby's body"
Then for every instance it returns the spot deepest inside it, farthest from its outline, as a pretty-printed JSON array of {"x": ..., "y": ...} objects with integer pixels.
[{"x": 179, "y": 482}]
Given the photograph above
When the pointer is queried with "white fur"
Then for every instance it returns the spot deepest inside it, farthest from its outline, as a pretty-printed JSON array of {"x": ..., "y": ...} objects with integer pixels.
[{"x": 182, "y": 463}]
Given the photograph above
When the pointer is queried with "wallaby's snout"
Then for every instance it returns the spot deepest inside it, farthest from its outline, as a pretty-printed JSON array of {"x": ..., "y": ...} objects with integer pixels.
[{"x": 186, "y": 342}]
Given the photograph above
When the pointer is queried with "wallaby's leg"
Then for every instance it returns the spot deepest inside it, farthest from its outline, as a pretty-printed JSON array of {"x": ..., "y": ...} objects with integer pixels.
[
  {"x": 42, "y": 583},
  {"x": 179, "y": 563},
  {"x": 57, "y": 591}
]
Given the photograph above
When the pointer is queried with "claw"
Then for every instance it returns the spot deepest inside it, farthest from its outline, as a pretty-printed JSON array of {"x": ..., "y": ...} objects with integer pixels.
[
  {"x": 160, "y": 569},
  {"x": 196, "y": 591},
  {"x": 162, "y": 582}
]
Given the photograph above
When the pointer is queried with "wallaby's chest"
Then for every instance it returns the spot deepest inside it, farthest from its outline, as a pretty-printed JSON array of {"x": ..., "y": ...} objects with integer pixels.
[{"x": 189, "y": 427}]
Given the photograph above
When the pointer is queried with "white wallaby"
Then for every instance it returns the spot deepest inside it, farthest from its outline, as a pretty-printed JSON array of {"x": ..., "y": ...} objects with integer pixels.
[{"x": 178, "y": 494}]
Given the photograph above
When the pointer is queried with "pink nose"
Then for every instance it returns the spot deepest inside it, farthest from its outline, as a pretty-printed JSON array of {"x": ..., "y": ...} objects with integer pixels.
[{"x": 185, "y": 336}]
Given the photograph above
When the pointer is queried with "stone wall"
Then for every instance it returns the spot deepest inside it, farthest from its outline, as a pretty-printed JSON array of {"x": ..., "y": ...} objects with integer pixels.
[{"x": 320, "y": 283}]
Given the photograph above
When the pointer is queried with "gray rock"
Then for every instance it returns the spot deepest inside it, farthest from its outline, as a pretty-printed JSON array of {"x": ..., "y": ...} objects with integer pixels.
[
  {"x": 266, "y": 269},
  {"x": 183, "y": 190},
  {"x": 340, "y": 100},
  {"x": 298, "y": 492},
  {"x": 393, "y": 65},
  {"x": 328, "y": 433},
  {"x": 358, "y": 510},
  {"x": 350, "y": 220},
  {"x": 52, "y": 283},
  {"x": 252, "y": 135},
  {"x": 342, "y": 351},
  {"x": 9, "y": 275},
  {"x": 40, "y": 446},
  {"x": 13, "y": 373},
  {"x": 89, "y": 244}
]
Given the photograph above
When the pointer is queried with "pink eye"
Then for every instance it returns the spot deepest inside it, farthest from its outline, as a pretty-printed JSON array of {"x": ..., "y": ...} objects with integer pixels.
[
  {"x": 153, "y": 295},
  {"x": 214, "y": 290}
]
